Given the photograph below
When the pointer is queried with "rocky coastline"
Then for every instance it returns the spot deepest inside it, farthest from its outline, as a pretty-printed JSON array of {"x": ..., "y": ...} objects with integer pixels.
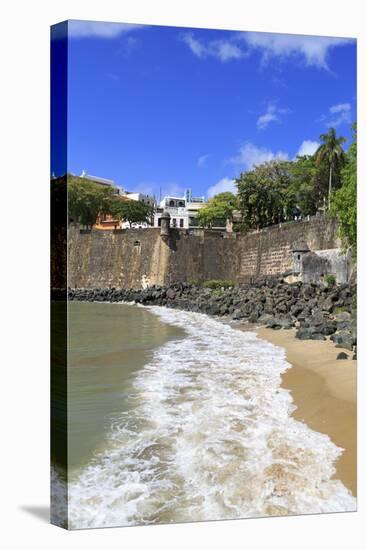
[{"x": 316, "y": 311}]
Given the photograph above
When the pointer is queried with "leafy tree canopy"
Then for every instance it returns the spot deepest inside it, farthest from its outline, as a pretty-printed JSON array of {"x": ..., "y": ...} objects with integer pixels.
[
  {"x": 332, "y": 153},
  {"x": 219, "y": 207},
  {"x": 265, "y": 195},
  {"x": 309, "y": 183},
  {"x": 87, "y": 200},
  {"x": 279, "y": 191},
  {"x": 344, "y": 202},
  {"x": 132, "y": 211}
]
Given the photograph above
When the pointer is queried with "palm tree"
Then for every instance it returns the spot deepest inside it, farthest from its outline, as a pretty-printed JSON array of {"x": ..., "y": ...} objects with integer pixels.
[{"x": 332, "y": 152}]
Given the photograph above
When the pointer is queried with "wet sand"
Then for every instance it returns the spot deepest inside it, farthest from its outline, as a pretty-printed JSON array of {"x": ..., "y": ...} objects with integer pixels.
[{"x": 324, "y": 391}]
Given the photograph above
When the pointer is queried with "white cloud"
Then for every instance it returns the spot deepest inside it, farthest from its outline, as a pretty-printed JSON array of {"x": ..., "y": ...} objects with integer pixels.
[
  {"x": 268, "y": 117},
  {"x": 338, "y": 114},
  {"x": 250, "y": 155},
  {"x": 83, "y": 29},
  {"x": 271, "y": 115},
  {"x": 340, "y": 108},
  {"x": 224, "y": 50},
  {"x": 196, "y": 46},
  {"x": 202, "y": 160},
  {"x": 225, "y": 184},
  {"x": 313, "y": 50},
  {"x": 308, "y": 147}
]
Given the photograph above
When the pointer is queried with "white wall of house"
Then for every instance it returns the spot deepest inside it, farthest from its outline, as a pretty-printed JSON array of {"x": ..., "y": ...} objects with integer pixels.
[
  {"x": 147, "y": 199},
  {"x": 178, "y": 218},
  {"x": 182, "y": 213}
]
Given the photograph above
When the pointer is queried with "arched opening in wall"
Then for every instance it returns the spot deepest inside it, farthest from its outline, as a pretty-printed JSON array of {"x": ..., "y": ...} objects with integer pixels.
[
  {"x": 137, "y": 243},
  {"x": 298, "y": 256}
]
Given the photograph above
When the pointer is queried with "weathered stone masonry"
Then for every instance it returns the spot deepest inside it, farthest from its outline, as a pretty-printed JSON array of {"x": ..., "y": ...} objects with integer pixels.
[{"x": 139, "y": 258}]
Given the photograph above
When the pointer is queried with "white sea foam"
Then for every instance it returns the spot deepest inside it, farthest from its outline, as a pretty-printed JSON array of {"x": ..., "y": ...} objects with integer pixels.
[
  {"x": 209, "y": 437},
  {"x": 59, "y": 502}
]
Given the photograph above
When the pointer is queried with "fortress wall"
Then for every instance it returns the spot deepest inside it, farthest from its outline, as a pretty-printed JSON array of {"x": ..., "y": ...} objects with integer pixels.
[{"x": 139, "y": 257}]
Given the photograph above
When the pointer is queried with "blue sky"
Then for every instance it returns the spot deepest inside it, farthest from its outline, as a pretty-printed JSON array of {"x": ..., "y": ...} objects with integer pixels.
[{"x": 169, "y": 108}]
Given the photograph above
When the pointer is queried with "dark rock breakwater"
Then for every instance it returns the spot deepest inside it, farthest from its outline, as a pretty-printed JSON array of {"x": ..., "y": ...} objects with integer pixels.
[{"x": 316, "y": 311}]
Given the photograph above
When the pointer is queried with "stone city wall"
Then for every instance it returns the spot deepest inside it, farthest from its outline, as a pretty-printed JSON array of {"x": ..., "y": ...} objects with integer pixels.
[{"x": 137, "y": 258}]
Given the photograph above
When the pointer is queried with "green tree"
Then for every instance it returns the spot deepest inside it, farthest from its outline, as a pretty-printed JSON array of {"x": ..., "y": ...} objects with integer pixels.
[
  {"x": 132, "y": 211},
  {"x": 332, "y": 152},
  {"x": 219, "y": 207},
  {"x": 309, "y": 183},
  {"x": 344, "y": 203},
  {"x": 87, "y": 200},
  {"x": 266, "y": 196}
]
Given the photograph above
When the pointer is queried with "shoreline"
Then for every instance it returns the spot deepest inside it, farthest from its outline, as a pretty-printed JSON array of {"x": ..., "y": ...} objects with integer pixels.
[
  {"x": 324, "y": 391},
  {"x": 323, "y": 388},
  {"x": 160, "y": 395},
  {"x": 317, "y": 311}
]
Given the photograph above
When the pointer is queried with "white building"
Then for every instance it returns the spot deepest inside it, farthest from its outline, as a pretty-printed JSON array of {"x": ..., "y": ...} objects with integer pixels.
[
  {"x": 147, "y": 199},
  {"x": 97, "y": 179},
  {"x": 183, "y": 210}
]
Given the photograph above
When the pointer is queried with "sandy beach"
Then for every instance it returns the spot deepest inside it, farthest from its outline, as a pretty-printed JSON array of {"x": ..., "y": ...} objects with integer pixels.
[{"x": 324, "y": 390}]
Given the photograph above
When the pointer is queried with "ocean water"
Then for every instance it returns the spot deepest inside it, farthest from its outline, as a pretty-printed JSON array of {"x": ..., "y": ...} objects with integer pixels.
[
  {"x": 108, "y": 344},
  {"x": 200, "y": 429}
]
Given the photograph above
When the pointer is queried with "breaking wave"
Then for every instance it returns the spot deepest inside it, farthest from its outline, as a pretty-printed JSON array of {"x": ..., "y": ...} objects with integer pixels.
[{"x": 209, "y": 435}]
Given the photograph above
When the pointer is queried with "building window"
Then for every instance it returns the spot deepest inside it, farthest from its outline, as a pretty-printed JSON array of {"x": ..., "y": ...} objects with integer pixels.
[
  {"x": 174, "y": 222},
  {"x": 159, "y": 222},
  {"x": 181, "y": 222}
]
